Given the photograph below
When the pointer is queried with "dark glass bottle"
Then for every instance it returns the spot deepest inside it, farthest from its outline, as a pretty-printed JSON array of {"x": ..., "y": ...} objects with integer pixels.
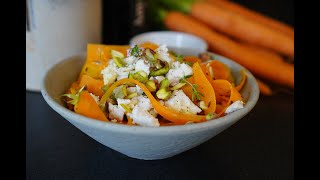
[{"x": 123, "y": 19}]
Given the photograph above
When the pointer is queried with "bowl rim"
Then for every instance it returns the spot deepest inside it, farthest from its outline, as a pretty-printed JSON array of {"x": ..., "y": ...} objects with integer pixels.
[
  {"x": 172, "y": 33},
  {"x": 161, "y": 130}
]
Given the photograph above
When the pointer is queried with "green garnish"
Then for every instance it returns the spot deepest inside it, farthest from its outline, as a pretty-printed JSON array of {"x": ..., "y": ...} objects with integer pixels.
[
  {"x": 104, "y": 88},
  {"x": 178, "y": 86},
  {"x": 141, "y": 76},
  {"x": 135, "y": 51},
  {"x": 119, "y": 62},
  {"x": 150, "y": 55},
  {"x": 161, "y": 71},
  {"x": 151, "y": 86},
  {"x": 126, "y": 108},
  {"x": 120, "y": 92},
  {"x": 195, "y": 93},
  {"x": 210, "y": 116},
  {"x": 180, "y": 58},
  {"x": 118, "y": 58},
  {"x": 115, "y": 53},
  {"x": 164, "y": 84},
  {"x": 163, "y": 94},
  {"x": 74, "y": 97},
  {"x": 132, "y": 95}
]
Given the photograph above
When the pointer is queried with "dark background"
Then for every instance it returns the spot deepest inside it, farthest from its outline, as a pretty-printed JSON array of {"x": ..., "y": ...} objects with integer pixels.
[{"x": 259, "y": 146}]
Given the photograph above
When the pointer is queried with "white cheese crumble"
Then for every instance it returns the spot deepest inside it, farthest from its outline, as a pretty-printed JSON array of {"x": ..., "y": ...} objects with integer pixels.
[
  {"x": 130, "y": 60},
  {"x": 143, "y": 117},
  {"x": 123, "y": 72},
  {"x": 143, "y": 112},
  {"x": 179, "y": 101},
  {"x": 115, "y": 112},
  {"x": 177, "y": 72},
  {"x": 234, "y": 107},
  {"x": 162, "y": 51},
  {"x": 141, "y": 65},
  {"x": 109, "y": 74}
]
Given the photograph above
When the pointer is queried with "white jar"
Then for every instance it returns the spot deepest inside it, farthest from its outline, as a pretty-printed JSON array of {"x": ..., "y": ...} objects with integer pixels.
[{"x": 56, "y": 29}]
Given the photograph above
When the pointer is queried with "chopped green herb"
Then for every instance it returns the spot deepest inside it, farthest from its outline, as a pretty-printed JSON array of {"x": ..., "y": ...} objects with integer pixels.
[
  {"x": 195, "y": 93},
  {"x": 74, "y": 97},
  {"x": 135, "y": 51}
]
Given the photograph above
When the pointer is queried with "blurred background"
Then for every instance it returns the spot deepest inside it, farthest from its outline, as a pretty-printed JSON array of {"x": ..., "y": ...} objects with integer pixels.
[{"x": 126, "y": 18}]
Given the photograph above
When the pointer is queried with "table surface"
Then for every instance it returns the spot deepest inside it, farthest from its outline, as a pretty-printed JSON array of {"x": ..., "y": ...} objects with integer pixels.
[{"x": 259, "y": 145}]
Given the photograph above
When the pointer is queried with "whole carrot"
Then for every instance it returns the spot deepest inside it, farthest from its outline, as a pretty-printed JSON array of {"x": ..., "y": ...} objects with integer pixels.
[
  {"x": 254, "y": 15},
  {"x": 242, "y": 28},
  {"x": 264, "y": 88},
  {"x": 267, "y": 53},
  {"x": 280, "y": 73}
]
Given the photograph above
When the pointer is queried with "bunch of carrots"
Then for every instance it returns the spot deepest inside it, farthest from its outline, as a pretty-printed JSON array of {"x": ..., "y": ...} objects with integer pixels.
[{"x": 263, "y": 45}]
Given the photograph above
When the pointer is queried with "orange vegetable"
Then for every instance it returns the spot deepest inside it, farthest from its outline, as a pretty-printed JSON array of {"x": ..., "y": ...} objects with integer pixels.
[
  {"x": 87, "y": 106},
  {"x": 149, "y": 45},
  {"x": 256, "y": 16},
  {"x": 224, "y": 89},
  {"x": 169, "y": 114},
  {"x": 129, "y": 120},
  {"x": 73, "y": 89},
  {"x": 266, "y": 53},
  {"x": 192, "y": 59},
  {"x": 280, "y": 73},
  {"x": 242, "y": 28},
  {"x": 205, "y": 88},
  {"x": 188, "y": 89},
  {"x": 264, "y": 88},
  {"x": 243, "y": 80},
  {"x": 98, "y": 56},
  {"x": 93, "y": 85}
]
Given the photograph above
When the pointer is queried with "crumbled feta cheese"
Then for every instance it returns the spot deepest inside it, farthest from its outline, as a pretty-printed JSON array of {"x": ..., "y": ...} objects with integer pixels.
[
  {"x": 143, "y": 117},
  {"x": 234, "y": 107},
  {"x": 143, "y": 112},
  {"x": 162, "y": 51},
  {"x": 144, "y": 102},
  {"x": 123, "y": 72},
  {"x": 139, "y": 90},
  {"x": 96, "y": 98},
  {"x": 177, "y": 72},
  {"x": 109, "y": 74},
  {"x": 181, "y": 102},
  {"x": 130, "y": 60},
  {"x": 115, "y": 112},
  {"x": 141, "y": 65}
]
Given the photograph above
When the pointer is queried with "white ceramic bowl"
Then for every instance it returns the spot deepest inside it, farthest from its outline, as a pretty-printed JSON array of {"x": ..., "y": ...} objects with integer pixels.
[
  {"x": 148, "y": 143},
  {"x": 181, "y": 43}
]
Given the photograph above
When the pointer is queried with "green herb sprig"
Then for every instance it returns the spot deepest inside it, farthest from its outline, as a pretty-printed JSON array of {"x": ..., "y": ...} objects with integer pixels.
[{"x": 195, "y": 93}]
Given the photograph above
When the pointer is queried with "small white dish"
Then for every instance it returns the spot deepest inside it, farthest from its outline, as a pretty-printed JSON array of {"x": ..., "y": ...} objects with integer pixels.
[{"x": 182, "y": 43}]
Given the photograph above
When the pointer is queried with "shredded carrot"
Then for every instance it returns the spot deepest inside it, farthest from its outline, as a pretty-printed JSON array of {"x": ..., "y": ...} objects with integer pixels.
[
  {"x": 205, "y": 88},
  {"x": 243, "y": 80},
  {"x": 87, "y": 106},
  {"x": 93, "y": 85}
]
